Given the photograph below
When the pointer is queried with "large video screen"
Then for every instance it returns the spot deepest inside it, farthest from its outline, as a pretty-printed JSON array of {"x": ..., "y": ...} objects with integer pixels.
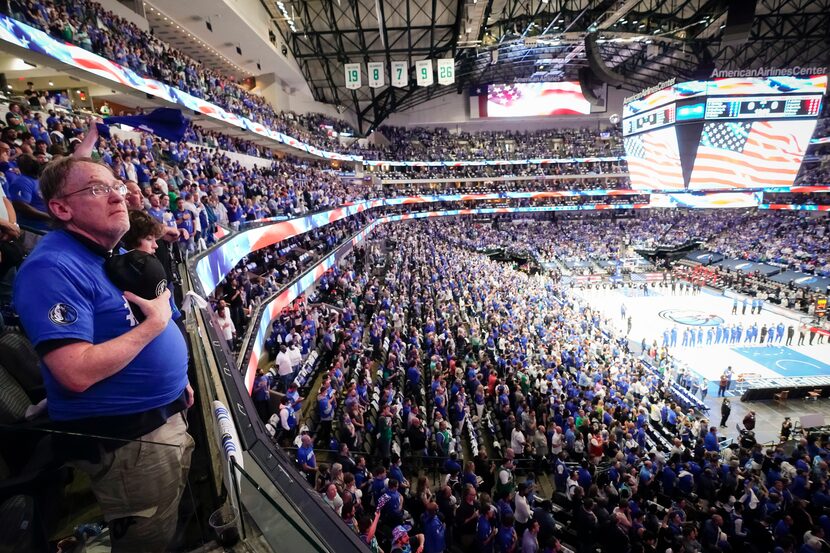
[
  {"x": 536, "y": 99},
  {"x": 750, "y": 154},
  {"x": 733, "y": 86},
  {"x": 654, "y": 160}
]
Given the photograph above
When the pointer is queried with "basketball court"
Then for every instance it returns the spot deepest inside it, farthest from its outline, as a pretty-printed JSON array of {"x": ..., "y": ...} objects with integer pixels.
[{"x": 661, "y": 311}]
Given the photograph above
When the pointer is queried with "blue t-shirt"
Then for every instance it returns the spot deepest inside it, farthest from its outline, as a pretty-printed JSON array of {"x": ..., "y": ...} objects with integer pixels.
[
  {"x": 305, "y": 456},
  {"x": 482, "y": 533},
  {"x": 261, "y": 394},
  {"x": 27, "y": 190},
  {"x": 63, "y": 293}
]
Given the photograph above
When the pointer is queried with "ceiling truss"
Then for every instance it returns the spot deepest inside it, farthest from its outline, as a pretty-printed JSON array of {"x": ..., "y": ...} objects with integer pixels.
[{"x": 497, "y": 41}]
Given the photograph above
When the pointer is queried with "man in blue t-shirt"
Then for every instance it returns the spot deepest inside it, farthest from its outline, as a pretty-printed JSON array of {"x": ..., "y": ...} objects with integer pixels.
[
  {"x": 485, "y": 532},
  {"x": 105, "y": 373},
  {"x": 24, "y": 192},
  {"x": 306, "y": 460}
]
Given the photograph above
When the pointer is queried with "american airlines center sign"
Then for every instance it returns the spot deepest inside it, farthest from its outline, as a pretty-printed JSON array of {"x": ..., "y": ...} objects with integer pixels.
[{"x": 767, "y": 72}]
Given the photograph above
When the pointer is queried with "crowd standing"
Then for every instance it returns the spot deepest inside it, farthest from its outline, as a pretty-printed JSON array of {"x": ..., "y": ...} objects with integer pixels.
[
  {"x": 90, "y": 26},
  {"x": 448, "y": 341}
]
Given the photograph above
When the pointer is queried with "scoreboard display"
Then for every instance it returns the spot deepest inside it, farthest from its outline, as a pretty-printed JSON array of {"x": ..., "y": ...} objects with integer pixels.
[
  {"x": 733, "y": 133},
  {"x": 650, "y": 120}
]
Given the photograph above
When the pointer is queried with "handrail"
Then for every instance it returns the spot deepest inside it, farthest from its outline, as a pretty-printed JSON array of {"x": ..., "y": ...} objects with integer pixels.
[
  {"x": 254, "y": 320},
  {"x": 267, "y": 465},
  {"x": 309, "y": 540}
]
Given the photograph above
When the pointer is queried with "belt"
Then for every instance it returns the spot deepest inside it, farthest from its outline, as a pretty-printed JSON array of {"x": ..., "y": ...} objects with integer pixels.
[{"x": 81, "y": 439}]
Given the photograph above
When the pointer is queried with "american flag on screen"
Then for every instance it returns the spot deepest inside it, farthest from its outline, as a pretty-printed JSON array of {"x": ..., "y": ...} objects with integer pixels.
[
  {"x": 533, "y": 99},
  {"x": 506, "y": 95},
  {"x": 654, "y": 160},
  {"x": 746, "y": 155}
]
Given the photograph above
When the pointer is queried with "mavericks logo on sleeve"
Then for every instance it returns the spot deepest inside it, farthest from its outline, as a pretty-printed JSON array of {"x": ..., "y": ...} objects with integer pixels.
[{"x": 63, "y": 314}]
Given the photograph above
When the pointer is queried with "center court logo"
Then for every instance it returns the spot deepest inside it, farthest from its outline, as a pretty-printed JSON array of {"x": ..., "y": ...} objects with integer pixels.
[{"x": 690, "y": 317}]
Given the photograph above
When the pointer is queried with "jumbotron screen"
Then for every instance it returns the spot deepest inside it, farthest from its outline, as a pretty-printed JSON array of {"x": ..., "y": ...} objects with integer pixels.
[
  {"x": 750, "y": 154},
  {"x": 731, "y": 133},
  {"x": 536, "y": 99},
  {"x": 654, "y": 160}
]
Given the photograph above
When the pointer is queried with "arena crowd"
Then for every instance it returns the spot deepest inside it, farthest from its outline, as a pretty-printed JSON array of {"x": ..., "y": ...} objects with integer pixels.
[{"x": 449, "y": 355}]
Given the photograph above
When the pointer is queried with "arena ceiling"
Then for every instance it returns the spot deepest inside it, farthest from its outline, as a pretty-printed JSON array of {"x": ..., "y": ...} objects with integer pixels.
[{"x": 503, "y": 41}]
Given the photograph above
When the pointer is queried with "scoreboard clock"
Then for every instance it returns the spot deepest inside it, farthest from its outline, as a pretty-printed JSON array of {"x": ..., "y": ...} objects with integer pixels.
[{"x": 650, "y": 120}]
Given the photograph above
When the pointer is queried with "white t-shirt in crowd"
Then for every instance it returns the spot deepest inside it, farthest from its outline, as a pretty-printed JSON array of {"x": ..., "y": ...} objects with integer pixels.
[
  {"x": 284, "y": 366},
  {"x": 295, "y": 355},
  {"x": 226, "y": 325}
]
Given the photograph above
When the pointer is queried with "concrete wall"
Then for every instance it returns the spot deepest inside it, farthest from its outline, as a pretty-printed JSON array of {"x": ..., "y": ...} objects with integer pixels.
[
  {"x": 121, "y": 10},
  {"x": 453, "y": 111},
  {"x": 270, "y": 87}
]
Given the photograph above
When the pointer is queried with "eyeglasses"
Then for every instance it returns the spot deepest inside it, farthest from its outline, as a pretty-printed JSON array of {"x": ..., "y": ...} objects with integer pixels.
[{"x": 100, "y": 189}]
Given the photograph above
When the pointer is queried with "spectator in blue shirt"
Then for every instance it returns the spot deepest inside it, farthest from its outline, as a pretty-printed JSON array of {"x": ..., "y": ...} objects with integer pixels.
[
  {"x": 395, "y": 471},
  {"x": 711, "y": 440},
  {"x": 24, "y": 192},
  {"x": 262, "y": 385},
  {"x": 506, "y": 539},
  {"x": 306, "y": 459},
  {"x": 485, "y": 532},
  {"x": 434, "y": 530}
]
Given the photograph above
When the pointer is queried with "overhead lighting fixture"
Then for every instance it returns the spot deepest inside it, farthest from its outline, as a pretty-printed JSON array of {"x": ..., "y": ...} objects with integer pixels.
[{"x": 51, "y": 83}]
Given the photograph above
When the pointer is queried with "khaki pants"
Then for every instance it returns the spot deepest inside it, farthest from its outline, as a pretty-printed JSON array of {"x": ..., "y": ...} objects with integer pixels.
[{"x": 139, "y": 485}]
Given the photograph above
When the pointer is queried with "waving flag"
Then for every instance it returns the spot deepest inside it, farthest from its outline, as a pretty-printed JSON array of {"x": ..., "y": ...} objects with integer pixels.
[
  {"x": 747, "y": 155},
  {"x": 532, "y": 99},
  {"x": 654, "y": 160}
]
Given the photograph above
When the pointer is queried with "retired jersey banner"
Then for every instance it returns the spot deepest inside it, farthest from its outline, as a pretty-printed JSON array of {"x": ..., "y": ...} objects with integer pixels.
[
  {"x": 446, "y": 71},
  {"x": 400, "y": 74},
  {"x": 352, "y": 76},
  {"x": 423, "y": 72},
  {"x": 375, "y": 70}
]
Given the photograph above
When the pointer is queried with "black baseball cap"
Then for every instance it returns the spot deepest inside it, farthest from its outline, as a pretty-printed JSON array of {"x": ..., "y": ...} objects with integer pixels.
[{"x": 138, "y": 272}]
